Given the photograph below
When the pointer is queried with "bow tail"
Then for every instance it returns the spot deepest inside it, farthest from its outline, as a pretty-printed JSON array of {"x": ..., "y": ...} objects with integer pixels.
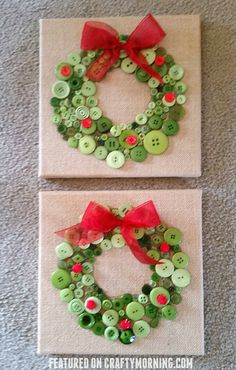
[{"x": 98, "y": 69}]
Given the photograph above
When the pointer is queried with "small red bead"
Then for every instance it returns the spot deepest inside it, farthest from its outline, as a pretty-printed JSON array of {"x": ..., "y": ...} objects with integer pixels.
[
  {"x": 160, "y": 60},
  {"x": 65, "y": 71},
  {"x": 91, "y": 304},
  {"x": 164, "y": 248},
  {"x": 125, "y": 324},
  {"x": 77, "y": 268},
  {"x": 161, "y": 299},
  {"x": 169, "y": 97},
  {"x": 86, "y": 122},
  {"x": 131, "y": 140}
]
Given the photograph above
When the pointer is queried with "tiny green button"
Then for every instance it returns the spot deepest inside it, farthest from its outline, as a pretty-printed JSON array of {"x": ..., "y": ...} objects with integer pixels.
[
  {"x": 127, "y": 336},
  {"x": 155, "y": 122},
  {"x": 86, "y": 320},
  {"x": 104, "y": 124}
]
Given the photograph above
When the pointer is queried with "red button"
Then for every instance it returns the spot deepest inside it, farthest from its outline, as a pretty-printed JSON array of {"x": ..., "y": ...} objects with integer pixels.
[
  {"x": 77, "y": 268},
  {"x": 125, "y": 324},
  {"x": 161, "y": 299},
  {"x": 86, "y": 122},
  {"x": 160, "y": 60},
  {"x": 131, "y": 140},
  {"x": 169, "y": 97},
  {"x": 91, "y": 304},
  {"x": 164, "y": 248},
  {"x": 65, "y": 71}
]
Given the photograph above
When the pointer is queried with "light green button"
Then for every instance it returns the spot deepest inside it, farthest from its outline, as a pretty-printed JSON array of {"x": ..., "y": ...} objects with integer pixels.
[
  {"x": 78, "y": 292},
  {"x": 87, "y": 280},
  {"x": 138, "y": 154},
  {"x": 123, "y": 209},
  {"x": 165, "y": 269},
  {"x": 56, "y": 118},
  {"x": 60, "y": 279},
  {"x": 180, "y": 260},
  {"x": 106, "y": 304},
  {"x": 149, "y": 54},
  {"x": 87, "y": 267},
  {"x": 72, "y": 142},
  {"x": 106, "y": 244},
  {"x": 138, "y": 233},
  {"x": 141, "y": 328},
  {"x": 73, "y": 58},
  {"x": 153, "y": 254},
  {"x": 64, "y": 250},
  {"x": 153, "y": 83},
  {"x": 80, "y": 69},
  {"x": 173, "y": 236},
  {"x": 180, "y": 87},
  {"x": 82, "y": 112},
  {"x": 76, "y": 306},
  {"x": 181, "y": 99},
  {"x": 101, "y": 152},
  {"x": 91, "y": 101},
  {"x": 88, "y": 88},
  {"x": 142, "y": 298},
  {"x": 87, "y": 145},
  {"x": 169, "y": 312},
  {"x": 60, "y": 89},
  {"x": 181, "y": 278},
  {"x": 110, "y": 317},
  {"x": 128, "y": 66},
  {"x": 135, "y": 311},
  {"x": 155, "y": 292},
  {"x": 141, "y": 119},
  {"x": 78, "y": 100},
  {"x": 155, "y": 142},
  {"x": 66, "y": 295},
  {"x": 115, "y": 130},
  {"x": 111, "y": 333},
  {"x": 95, "y": 113},
  {"x": 176, "y": 72},
  {"x": 117, "y": 241},
  {"x": 115, "y": 159}
]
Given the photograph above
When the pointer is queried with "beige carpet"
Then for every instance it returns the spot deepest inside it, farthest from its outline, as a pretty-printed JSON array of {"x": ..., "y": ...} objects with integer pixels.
[{"x": 19, "y": 53}]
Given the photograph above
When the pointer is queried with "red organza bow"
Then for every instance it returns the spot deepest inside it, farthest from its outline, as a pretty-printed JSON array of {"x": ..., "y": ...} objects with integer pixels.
[
  {"x": 98, "y": 220},
  {"x": 99, "y": 35}
]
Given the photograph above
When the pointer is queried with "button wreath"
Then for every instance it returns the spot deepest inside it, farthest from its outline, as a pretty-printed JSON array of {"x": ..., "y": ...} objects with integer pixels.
[
  {"x": 76, "y": 112},
  {"x": 130, "y": 316}
]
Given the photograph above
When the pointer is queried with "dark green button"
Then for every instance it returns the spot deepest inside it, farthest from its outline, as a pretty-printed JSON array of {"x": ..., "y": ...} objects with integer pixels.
[
  {"x": 104, "y": 124},
  {"x": 112, "y": 144},
  {"x": 60, "y": 279},
  {"x": 154, "y": 322},
  {"x": 155, "y": 122},
  {"x": 177, "y": 112},
  {"x": 175, "y": 298},
  {"x": 86, "y": 320},
  {"x": 98, "y": 328},
  {"x": 170, "y": 127},
  {"x": 138, "y": 154},
  {"x": 169, "y": 312},
  {"x": 55, "y": 102},
  {"x": 127, "y": 298},
  {"x": 141, "y": 75},
  {"x": 127, "y": 336},
  {"x": 117, "y": 304},
  {"x": 151, "y": 311},
  {"x": 146, "y": 289},
  {"x": 75, "y": 83}
]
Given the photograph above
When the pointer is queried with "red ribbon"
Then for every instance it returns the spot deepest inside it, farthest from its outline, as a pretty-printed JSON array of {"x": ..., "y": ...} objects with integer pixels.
[
  {"x": 99, "y": 35},
  {"x": 98, "y": 220}
]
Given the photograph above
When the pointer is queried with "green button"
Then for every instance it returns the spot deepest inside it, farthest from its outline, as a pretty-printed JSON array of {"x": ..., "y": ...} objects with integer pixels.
[
  {"x": 56, "y": 118},
  {"x": 101, "y": 152},
  {"x": 110, "y": 318},
  {"x": 155, "y": 122},
  {"x": 169, "y": 312},
  {"x": 180, "y": 260},
  {"x": 61, "y": 76},
  {"x": 153, "y": 83},
  {"x": 154, "y": 322},
  {"x": 78, "y": 100},
  {"x": 78, "y": 258},
  {"x": 141, "y": 119},
  {"x": 60, "y": 89},
  {"x": 104, "y": 124},
  {"x": 123, "y": 209},
  {"x": 76, "y": 306},
  {"x": 76, "y": 276},
  {"x": 75, "y": 83},
  {"x": 135, "y": 311},
  {"x": 151, "y": 311},
  {"x": 165, "y": 269},
  {"x": 55, "y": 102},
  {"x": 157, "y": 239},
  {"x": 117, "y": 241},
  {"x": 128, "y": 66},
  {"x": 153, "y": 254},
  {"x": 111, "y": 333},
  {"x": 176, "y": 298},
  {"x": 181, "y": 278},
  {"x": 181, "y": 99},
  {"x": 86, "y": 320},
  {"x": 127, "y": 298},
  {"x": 115, "y": 159},
  {"x": 127, "y": 336},
  {"x": 87, "y": 145},
  {"x": 117, "y": 304},
  {"x": 87, "y": 279},
  {"x": 176, "y": 72},
  {"x": 64, "y": 250},
  {"x": 91, "y": 101},
  {"x": 98, "y": 328},
  {"x": 87, "y": 267},
  {"x": 106, "y": 304},
  {"x": 66, "y": 295},
  {"x": 155, "y": 293},
  {"x": 80, "y": 69},
  {"x": 177, "y": 112},
  {"x": 173, "y": 236},
  {"x": 95, "y": 113},
  {"x": 170, "y": 127},
  {"x": 74, "y": 58},
  {"x": 72, "y": 142},
  {"x": 149, "y": 54},
  {"x": 78, "y": 292},
  {"x": 60, "y": 279},
  {"x": 138, "y": 233},
  {"x": 141, "y": 328},
  {"x": 82, "y": 112},
  {"x": 180, "y": 87},
  {"x": 141, "y": 75},
  {"x": 106, "y": 244},
  {"x": 112, "y": 144},
  {"x": 116, "y": 130},
  {"x": 142, "y": 298},
  {"x": 138, "y": 154},
  {"x": 155, "y": 142},
  {"x": 124, "y": 135},
  {"x": 88, "y": 88}
]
